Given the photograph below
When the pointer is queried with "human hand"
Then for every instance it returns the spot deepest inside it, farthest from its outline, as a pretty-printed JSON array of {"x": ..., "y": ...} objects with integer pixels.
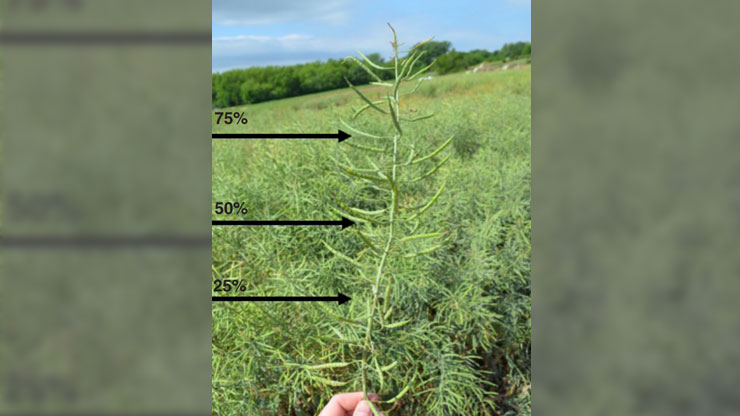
[{"x": 349, "y": 404}]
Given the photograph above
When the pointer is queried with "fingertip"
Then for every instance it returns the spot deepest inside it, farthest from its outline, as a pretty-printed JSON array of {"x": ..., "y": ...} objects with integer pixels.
[{"x": 362, "y": 409}]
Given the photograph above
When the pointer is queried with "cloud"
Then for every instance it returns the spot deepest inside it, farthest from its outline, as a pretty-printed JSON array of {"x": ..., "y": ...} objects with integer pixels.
[
  {"x": 264, "y": 12},
  {"x": 286, "y": 38},
  {"x": 257, "y": 50},
  {"x": 250, "y": 50},
  {"x": 257, "y": 46},
  {"x": 246, "y": 45},
  {"x": 245, "y": 50}
]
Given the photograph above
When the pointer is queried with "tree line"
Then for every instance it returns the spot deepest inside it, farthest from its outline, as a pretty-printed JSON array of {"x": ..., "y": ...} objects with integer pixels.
[{"x": 258, "y": 84}]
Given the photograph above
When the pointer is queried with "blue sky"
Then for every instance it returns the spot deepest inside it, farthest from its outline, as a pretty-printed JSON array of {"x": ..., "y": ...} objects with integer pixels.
[{"x": 283, "y": 32}]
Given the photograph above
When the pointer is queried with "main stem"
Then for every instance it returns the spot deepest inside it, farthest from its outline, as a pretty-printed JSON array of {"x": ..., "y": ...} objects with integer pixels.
[{"x": 391, "y": 228}]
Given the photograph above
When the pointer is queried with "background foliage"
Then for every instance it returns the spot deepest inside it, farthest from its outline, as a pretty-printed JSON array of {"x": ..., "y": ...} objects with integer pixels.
[
  {"x": 258, "y": 84},
  {"x": 466, "y": 349}
]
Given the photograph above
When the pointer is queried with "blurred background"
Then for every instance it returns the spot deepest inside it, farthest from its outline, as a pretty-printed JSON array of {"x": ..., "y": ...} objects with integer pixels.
[
  {"x": 635, "y": 206},
  {"x": 105, "y": 191}
]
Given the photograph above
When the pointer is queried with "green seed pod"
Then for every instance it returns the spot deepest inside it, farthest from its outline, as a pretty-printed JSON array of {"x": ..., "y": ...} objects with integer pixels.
[
  {"x": 390, "y": 366},
  {"x": 330, "y": 382},
  {"x": 388, "y": 313},
  {"x": 325, "y": 366},
  {"x": 398, "y": 324},
  {"x": 399, "y": 395}
]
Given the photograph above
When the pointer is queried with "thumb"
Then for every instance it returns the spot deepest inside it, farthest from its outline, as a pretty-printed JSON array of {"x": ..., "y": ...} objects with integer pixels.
[{"x": 363, "y": 409}]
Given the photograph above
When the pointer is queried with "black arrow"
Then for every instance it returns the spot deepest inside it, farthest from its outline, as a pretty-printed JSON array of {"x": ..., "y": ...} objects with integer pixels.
[
  {"x": 340, "y": 298},
  {"x": 345, "y": 222},
  {"x": 340, "y": 136}
]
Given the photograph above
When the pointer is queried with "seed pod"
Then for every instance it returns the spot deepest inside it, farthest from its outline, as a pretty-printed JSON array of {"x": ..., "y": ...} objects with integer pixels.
[
  {"x": 333, "y": 383},
  {"x": 400, "y": 394},
  {"x": 398, "y": 324},
  {"x": 380, "y": 373},
  {"x": 390, "y": 366},
  {"x": 325, "y": 366}
]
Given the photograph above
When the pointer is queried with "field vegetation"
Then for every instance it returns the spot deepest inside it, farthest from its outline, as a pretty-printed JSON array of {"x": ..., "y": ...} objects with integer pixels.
[
  {"x": 259, "y": 84},
  {"x": 463, "y": 343}
]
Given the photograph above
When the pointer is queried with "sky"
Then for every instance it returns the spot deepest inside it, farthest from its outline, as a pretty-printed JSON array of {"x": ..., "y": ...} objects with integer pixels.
[{"x": 285, "y": 32}]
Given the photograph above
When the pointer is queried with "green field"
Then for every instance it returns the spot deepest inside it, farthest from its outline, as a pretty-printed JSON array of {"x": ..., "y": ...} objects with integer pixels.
[{"x": 466, "y": 347}]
